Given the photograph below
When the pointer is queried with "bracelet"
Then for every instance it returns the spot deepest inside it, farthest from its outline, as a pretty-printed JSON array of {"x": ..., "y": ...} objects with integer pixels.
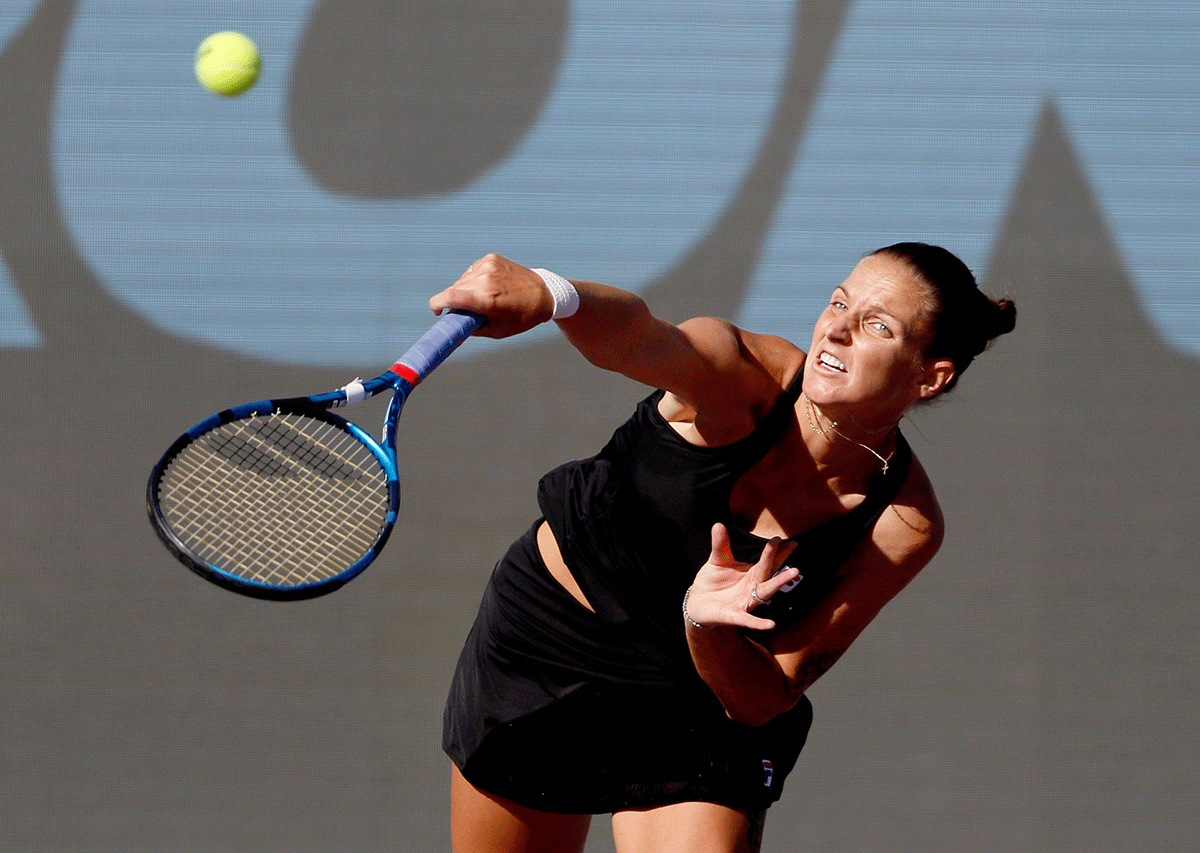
[
  {"x": 687, "y": 615},
  {"x": 566, "y": 297}
]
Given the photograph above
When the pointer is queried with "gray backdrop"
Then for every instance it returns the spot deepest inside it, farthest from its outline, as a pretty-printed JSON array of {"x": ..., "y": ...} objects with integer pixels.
[{"x": 1034, "y": 690}]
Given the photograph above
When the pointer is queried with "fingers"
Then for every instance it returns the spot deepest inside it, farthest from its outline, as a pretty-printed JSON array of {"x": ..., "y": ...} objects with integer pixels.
[
  {"x": 463, "y": 294},
  {"x": 769, "y": 573},
  {"x": 726, "y": 590},
  {"x": 774, "y": 553},
  {"x": 762, "y": 592},
  {"x": 776, "y": 582},
  {"x": 513, "y": 298},
  {"x": 770, "y": 562},
  {"x": 722, "y": 550},
  {"x": 754, "y": 623}
]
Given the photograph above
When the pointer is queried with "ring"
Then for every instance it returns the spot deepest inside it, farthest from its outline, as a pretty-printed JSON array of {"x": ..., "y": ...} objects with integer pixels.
[{"x": 754, "y": 595}]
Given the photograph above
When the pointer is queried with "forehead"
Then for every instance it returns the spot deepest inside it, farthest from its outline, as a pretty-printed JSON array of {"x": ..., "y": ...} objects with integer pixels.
[{"x": 888, "y": 284}]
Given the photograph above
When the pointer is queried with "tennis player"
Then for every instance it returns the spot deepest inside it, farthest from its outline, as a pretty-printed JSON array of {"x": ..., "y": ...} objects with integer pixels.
[{"x": 645, "y": 648}]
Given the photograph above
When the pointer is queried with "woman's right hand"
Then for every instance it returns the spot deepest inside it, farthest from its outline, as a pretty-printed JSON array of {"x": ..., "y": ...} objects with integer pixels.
[
  {"x": 725, "y": 590},
  {"x": 513, "y": 298}
]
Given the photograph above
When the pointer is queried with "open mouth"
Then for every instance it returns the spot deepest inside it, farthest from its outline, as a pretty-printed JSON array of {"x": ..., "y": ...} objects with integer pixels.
[{"x": 831, "y": 362}]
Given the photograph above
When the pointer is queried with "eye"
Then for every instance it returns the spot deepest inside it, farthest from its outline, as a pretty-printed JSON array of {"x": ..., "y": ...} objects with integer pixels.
[
  {"x": 881, "y": 328},
  {"x": 838, "y": 304}
]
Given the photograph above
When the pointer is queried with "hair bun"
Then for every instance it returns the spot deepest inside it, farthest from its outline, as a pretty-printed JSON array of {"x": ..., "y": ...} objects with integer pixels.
[
  {"x": 965, "y": 319},
  {"x": 1004, "y": 317}
]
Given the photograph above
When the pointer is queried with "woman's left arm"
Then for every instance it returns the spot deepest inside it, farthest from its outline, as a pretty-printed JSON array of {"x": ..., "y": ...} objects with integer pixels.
[{"x": 755, "y": 683}]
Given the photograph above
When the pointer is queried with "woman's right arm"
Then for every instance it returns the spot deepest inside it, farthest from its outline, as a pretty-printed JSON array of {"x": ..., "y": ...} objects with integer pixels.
[{"x": 706, "y": 363}]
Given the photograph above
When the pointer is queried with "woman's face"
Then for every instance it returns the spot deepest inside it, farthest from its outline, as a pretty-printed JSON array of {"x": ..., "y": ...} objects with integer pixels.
[{"x": 867, "y": 357}]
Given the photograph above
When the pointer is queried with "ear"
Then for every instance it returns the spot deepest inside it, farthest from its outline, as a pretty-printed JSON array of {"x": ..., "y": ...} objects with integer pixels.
[{"x": 938, "y": 374}]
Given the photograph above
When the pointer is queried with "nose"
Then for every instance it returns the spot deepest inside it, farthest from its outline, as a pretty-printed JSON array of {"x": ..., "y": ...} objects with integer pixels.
[{"x": 838, "y": 329}]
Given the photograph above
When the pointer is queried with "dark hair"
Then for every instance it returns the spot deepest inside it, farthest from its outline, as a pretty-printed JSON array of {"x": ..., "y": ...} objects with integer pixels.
[{"x": 965, "y": 320}]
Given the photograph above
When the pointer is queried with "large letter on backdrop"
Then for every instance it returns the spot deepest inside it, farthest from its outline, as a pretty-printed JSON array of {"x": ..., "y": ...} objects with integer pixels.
[
  {"x": 193, "y": 210},
  {"x": 924, "y": 118},
  {"x": 16, "y": 326}
]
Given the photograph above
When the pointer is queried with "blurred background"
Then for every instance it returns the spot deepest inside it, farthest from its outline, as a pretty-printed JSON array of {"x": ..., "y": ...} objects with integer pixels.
[{"x": 165, "y": 253}]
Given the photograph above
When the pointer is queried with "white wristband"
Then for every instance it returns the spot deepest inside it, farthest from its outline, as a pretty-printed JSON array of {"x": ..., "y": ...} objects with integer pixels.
[{"x": 566, "y": 297}]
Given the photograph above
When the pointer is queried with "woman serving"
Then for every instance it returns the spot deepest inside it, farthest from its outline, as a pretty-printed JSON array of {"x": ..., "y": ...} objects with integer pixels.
[{"x": 644, "y": 649}]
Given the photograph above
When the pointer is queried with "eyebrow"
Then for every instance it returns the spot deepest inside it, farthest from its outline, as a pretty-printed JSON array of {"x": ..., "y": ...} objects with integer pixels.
[{"x": 877, "y": 308}]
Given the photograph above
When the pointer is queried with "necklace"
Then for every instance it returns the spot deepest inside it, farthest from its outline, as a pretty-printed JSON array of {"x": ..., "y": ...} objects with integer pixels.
[{"x": 812, "y": 422}]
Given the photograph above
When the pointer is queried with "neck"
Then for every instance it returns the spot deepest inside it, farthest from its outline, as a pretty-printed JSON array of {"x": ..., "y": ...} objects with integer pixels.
[{"x": 832, "y": 438}]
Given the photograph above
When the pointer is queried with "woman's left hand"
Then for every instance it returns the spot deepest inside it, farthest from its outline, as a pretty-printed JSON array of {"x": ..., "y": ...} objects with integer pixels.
[{"x": 726, "y": 590}]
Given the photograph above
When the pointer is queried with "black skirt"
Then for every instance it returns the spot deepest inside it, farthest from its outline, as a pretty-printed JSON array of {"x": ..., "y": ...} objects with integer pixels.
[{"x": 552, "y": 709}]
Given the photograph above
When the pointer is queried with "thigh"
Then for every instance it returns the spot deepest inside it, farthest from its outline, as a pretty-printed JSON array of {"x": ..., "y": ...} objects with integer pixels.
[
  {"x": 484, "y": 823},
  {"x": 688, "y": 828}
]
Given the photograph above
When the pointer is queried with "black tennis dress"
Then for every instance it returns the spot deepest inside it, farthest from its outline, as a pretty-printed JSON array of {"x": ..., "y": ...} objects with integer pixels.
[{"x": 561, "y": 709}]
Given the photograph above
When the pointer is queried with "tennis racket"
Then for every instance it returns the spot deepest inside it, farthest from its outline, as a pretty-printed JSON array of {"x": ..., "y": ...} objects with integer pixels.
[{"x": 283, "y": 499}]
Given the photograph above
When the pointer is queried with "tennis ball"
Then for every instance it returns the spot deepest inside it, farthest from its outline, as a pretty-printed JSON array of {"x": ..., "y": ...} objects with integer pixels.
[{"x": 227, "y": 63}]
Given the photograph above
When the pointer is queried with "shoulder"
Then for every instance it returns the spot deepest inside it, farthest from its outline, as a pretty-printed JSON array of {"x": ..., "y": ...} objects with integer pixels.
[
  {"x": 761, "y": 365},
  {"x": 744, "y": 374},
  {"x": 722, "y": 336}
]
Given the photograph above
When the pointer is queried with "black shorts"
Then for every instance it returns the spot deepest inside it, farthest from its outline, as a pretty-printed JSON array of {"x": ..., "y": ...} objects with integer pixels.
[
  {"x": 604, "y": 750},
  {"x": 527, "y": 722}
]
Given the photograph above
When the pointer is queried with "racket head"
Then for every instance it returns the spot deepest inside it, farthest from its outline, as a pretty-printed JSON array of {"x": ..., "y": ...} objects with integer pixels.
[{"x": 278, "y": 499}]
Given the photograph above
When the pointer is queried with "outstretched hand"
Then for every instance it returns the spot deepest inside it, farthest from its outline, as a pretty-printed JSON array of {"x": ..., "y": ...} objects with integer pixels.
[
  {"x": 725, "y": 590},
  {"x": 513, "y": 298}
]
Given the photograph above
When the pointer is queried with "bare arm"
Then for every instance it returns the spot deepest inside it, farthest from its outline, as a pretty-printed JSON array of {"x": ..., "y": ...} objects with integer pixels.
[
  {"x": 755, "y": 683},
  {"x": 704, "y": 362},
  {"x": 743, "y": 675}
]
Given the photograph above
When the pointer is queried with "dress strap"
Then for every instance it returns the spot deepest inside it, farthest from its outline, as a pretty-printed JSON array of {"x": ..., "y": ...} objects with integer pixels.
[
  {"x": 792, "y": 392},
  {"x": 768, "y": 430}
]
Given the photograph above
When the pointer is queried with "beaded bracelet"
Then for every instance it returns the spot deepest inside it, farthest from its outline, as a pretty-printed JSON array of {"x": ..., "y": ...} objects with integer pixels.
[{"x": 687, "y": 615}]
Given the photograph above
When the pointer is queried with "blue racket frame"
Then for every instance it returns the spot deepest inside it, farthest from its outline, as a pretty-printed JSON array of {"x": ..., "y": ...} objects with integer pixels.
[{"x": 445, "y": 336}]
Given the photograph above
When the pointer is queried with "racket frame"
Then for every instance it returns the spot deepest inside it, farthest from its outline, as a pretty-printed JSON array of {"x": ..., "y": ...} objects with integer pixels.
[{"x": 420, "y": 360}]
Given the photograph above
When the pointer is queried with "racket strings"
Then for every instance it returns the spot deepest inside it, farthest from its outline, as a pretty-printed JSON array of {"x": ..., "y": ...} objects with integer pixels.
[
  {"x": 294, "y": 534},
  {"x": 281, "y": 499}
]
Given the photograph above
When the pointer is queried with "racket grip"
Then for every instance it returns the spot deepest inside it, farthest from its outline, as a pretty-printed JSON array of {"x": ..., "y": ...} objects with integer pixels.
[{"x": 433, "y": 347}]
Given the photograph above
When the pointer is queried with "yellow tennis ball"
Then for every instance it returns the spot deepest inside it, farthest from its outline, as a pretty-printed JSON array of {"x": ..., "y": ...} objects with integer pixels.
[{"x": 227, "y": 63}]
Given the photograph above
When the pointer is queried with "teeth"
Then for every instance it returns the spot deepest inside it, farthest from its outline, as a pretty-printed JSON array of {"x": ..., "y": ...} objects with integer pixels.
[{"x": 826, "y": 358}]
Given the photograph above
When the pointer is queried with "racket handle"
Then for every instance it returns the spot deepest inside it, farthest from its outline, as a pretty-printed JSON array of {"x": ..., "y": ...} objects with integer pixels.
[{"x": 432, "y": 348}]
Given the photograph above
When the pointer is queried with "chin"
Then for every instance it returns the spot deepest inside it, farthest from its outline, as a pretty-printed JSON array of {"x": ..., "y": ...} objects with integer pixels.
[{"x": 823, "y": 388}]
